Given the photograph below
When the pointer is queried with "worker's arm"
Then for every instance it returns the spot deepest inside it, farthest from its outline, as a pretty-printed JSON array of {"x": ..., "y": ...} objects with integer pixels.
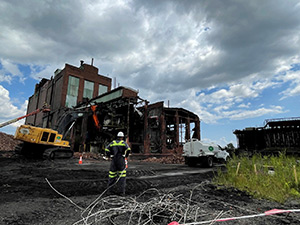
[
  {"x": 107, "y": 150},
  {"x": 127, "y": 151}
]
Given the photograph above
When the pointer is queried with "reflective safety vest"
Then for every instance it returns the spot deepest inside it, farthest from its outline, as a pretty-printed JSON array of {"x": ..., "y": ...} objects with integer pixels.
[{"x": 117, "y": 148}]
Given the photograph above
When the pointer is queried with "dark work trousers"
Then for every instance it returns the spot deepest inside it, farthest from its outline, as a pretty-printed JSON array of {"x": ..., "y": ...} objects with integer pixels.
[{"x": 117, "y": 172}]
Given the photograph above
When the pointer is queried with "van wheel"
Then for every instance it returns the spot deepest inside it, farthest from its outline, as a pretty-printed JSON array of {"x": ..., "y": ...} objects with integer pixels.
[{"x": 209, "y": 162}]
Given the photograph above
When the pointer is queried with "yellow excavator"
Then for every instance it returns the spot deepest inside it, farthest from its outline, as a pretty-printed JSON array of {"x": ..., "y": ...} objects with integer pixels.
[
  {"x": 37, "y": 142},
  {"x": 40, "y": 142}
]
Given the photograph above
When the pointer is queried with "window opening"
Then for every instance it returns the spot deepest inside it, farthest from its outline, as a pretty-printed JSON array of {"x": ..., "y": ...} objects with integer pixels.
[
  {"x": 52, "y": 137},
  {"x": 102, "y": 89},
  {"x": 45, "y": 136},
  {"x": 88, "y": 89},
  {"x": 72, "y": 93}
]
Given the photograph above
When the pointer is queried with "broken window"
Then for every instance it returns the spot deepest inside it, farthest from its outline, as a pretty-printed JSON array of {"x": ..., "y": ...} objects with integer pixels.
[
  {"x": 88, "y": 89},
  {"x": 72, "y": 93},
  {"x": 102, "y": 89}
]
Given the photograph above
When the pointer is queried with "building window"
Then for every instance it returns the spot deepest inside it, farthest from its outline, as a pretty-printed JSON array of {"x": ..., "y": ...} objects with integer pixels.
[
  {"x": 102, "y": 89},
  {"x": 73, "y": 84},
  {"x": 88, "y": 89}
]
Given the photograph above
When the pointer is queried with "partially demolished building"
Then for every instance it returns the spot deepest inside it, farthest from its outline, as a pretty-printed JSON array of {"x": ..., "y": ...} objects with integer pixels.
[
  {"x": 276, "y": 135},
  {"x": 89, "y": 113}
]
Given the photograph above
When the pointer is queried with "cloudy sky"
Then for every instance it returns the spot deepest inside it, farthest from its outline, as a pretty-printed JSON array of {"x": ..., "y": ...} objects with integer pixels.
[{"x": 235, "y": 63}]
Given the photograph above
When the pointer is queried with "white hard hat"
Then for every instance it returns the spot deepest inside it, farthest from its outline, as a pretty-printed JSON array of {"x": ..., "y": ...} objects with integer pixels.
[{"x": 120, "y": 134}]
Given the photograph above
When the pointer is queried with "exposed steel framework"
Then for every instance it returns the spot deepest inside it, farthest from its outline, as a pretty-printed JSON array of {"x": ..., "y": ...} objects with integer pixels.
[{"x": 276, "y": 135}]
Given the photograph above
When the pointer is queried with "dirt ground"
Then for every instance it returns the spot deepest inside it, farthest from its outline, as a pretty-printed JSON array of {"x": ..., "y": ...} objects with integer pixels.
[{"x": 66, "y": 192}]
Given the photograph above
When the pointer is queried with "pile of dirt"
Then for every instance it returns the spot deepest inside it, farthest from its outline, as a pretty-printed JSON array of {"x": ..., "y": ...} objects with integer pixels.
[{"x": 7, "y": 142}]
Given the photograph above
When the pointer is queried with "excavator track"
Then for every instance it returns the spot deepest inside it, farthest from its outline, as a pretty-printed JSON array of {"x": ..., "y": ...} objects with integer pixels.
[
  {"x": 30, "y": 150},
  {"x": 57, "y": 153},
  {"x": 18, "y": 149}
]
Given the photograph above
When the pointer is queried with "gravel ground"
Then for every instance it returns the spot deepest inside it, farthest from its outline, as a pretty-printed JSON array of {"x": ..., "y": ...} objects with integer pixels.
[
  {"x": 156, "y": 194},
  {"x": 65, "y": 192}
]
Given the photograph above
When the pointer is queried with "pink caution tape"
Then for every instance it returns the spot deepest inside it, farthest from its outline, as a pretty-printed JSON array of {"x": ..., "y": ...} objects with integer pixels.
[
  {"x": 266, "y": 213},
  {"x": 276, "y": 211}
]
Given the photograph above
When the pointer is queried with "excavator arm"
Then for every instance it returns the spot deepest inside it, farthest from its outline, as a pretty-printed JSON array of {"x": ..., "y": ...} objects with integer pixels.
[{"x": 22, "y": 117}]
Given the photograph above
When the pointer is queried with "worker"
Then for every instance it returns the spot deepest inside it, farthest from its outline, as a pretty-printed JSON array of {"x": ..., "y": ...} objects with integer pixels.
[{"x": 118, "y": 150}]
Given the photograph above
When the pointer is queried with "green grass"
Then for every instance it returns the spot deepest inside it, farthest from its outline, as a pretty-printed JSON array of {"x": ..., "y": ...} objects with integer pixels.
[{"x": 279, "y": 186}]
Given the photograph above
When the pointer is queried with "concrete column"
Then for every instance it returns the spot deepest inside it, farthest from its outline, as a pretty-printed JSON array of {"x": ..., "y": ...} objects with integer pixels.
[
  {"x": 197, "y": 129},
  {"x": 187, "y": 129},
  {"x": 146, "y": 134},
  {"x": 177, "y": 129},
  {"x": 163, "y": 132}
]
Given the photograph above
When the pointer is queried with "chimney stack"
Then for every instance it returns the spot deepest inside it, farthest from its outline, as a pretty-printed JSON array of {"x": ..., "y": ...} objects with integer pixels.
[{"x": 81, "y": 62}]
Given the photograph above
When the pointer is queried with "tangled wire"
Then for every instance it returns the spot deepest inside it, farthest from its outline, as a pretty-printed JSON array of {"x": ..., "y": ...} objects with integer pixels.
[
  {"x": 155, "y": 207},
  {"x": 150, "y": 207},
  {"x": 142, "y": 209}
]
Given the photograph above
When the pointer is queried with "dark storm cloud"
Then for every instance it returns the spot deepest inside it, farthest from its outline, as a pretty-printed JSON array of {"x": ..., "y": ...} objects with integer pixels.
[
  {"x": 213, "y": 57},
  {"x": 36, "y": 31},
  {"x": 174, "y": 45},
  {"x": 66, "y": 29},
  {"x": 253, "y": 35},
  {"x": 248, "y": 36}
]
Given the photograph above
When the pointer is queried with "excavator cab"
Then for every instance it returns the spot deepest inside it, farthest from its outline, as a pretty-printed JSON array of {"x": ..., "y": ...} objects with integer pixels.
[{"x": 40, "y": 135}]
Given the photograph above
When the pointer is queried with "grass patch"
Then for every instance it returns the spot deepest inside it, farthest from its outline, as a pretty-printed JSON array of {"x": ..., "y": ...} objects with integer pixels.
[{"x": 274, "y": 178}]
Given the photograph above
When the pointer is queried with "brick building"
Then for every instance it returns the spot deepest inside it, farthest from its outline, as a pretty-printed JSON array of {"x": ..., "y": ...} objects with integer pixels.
[
  {"x": 150, "y": 128},
  {"x": 68, "y": 88}
]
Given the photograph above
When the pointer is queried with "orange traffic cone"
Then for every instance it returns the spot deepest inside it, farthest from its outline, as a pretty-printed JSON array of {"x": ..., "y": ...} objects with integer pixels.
[{"x": 80, "y": 160}]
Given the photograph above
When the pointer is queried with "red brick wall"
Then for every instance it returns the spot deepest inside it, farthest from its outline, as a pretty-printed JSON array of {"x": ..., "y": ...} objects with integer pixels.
[
  {"x": 56, "y": 98},
  {"x": 89, "y": 73}
]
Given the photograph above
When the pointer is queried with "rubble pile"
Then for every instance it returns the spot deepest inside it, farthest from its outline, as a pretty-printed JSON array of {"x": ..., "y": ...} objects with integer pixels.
[
  {"x": 7, "y": 142},
  {"x": 173, "y": 159},
  {"x": 88, "y": 155}
]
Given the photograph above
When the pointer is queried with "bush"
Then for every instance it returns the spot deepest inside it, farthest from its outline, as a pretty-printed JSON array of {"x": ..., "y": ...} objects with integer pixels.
[{"x": 270, "y": 177}]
